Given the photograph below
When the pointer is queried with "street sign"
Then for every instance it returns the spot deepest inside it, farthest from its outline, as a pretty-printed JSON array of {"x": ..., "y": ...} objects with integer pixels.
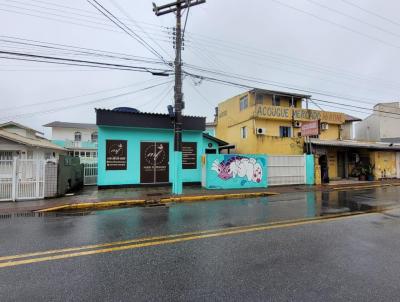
[{"x": 310, "y": 128}]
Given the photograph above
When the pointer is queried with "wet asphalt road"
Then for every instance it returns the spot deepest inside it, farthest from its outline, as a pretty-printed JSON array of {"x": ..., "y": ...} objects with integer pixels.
[{"x": 352, "y": 259}]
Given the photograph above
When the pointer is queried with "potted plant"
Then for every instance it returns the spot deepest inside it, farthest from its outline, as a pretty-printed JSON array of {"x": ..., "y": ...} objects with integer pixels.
[
  {"x": 363, "y": 174},
  {"x": 370, "y": 172}
]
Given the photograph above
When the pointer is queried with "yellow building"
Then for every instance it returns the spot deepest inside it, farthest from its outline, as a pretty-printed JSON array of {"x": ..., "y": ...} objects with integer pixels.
[
  {"x": 269, "y": 122},
  {"x": 263, "y": 121}
]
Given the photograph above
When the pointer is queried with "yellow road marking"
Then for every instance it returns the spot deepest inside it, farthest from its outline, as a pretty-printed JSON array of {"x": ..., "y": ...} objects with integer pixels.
[
  {"x": 137, "y": 240},
  {"x": 168, "y": 240}
]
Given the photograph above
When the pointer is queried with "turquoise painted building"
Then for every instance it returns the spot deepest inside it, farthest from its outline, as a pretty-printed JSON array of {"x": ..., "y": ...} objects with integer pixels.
[{"x": 136, "y": 148}]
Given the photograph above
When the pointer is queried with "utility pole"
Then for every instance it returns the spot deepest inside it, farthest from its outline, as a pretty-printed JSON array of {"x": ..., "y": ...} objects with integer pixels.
[{"x": 177, "y": 7}]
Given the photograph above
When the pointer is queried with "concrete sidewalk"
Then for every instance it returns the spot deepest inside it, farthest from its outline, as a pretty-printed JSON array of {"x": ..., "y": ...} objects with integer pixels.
[{"x": 90, "y": 197}]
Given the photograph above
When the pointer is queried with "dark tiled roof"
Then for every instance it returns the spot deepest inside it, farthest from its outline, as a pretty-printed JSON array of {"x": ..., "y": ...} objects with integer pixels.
[
  {"x": 70, "y": 125},
  {"x": 144, "y": 113},
  {"x": 220, "y": 142},
  {"x": 107, "y": 117},
  {"x": 350, "y": 118},
  {"x": 282, "y": 93}
]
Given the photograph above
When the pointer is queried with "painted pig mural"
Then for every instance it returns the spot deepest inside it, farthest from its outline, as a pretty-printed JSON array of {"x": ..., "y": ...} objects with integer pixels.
[{"x": 238, "y": 166}]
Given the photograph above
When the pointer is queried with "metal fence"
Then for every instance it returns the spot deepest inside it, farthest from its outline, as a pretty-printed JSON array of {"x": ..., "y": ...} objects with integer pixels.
[
  {"x": 286, "y": 170},
  {"x": 22, "y": 179},
  {"x": 90, "y": 174},
  {"x": 6, "y": 179}
]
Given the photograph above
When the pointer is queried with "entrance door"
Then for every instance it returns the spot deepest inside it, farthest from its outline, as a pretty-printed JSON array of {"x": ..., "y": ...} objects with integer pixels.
[
  {"x": 323, "y": 162},
  {"x": 398, "y": 164},
  {"x": 154, "y": 162},
  {"x": 340, "y": 164}
]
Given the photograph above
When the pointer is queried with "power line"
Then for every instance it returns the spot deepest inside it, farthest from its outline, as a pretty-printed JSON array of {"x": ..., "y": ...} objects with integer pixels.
[
  {"x": 353, "y": 18},
  {"x": 30, "y": 14},
  {"x": 273, "y": 83},
  {"x": 124, "y": 27},
  {"x": 229, "y": 49},
  {"x": 287, "y": 70},
  {"x": 76, "y": 62},
  {"x": 83, "y": 50},
  {"x": 240, "y": 85},
  {"x": 30, "y": 114},
  {"x": 73, "y": 97},
  {"x": 371, "y": 12},
  {"x": 79, "y": 52},
  {"x": 337, "y": 24},
  {"x": 137, "y": 25},
  {"x": 164, "y": 95}
]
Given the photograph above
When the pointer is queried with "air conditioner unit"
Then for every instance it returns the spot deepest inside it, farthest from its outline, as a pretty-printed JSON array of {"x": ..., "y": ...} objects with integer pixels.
[
  {"x": 324, "y": 126},
  {"x": 297, "y": 124},
  {"x": 261, "y": 131}
]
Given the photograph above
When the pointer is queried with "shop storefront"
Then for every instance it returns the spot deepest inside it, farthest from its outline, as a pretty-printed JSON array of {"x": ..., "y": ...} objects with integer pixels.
[
  {"x": 335, "y": 160},
  {"x": 136, "y": 148}
]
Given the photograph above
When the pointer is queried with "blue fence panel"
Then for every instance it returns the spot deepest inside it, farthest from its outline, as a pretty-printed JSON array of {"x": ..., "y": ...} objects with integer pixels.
[{"x": 310, "y": 178}]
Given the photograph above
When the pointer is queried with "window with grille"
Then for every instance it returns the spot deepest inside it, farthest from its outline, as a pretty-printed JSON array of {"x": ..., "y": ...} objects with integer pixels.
[
  {"x": 284, "y": 131},
  {"x": 78, "y": 136},
  {"x": 243, "y": 102},
  {"x": 243, "y": 132},
  {"x": 6, "y": 155},
  {"x": 94, "y": 137}
]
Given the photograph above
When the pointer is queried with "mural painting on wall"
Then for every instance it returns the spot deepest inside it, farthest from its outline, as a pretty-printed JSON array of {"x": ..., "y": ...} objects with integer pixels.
[{"x": 247, "y": 169}]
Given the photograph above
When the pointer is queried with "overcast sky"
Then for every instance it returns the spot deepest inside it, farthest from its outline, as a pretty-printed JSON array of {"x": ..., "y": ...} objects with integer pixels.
[{"x": 345, "y": 48}]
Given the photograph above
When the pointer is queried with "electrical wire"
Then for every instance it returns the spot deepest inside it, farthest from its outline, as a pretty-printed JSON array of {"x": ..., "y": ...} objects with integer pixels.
[
  {"x": 124, "y": 27},
  {"x": 336, "y": 24},
  {"x": 371, "y": 12},
  {"x": 31, "y": 114},
  {"x": 138, "y": 26},
  {"x": 353, "y": 18},
  {"x": 68, "y": 61},
  {"x": 35, "y": 104}
]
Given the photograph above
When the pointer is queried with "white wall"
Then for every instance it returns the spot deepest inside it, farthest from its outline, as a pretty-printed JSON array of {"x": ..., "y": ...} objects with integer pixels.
[
  {"x": 69, "y": 133},
  {"x": 368, "y": 129},
  {"x": 381, "y": 124}
]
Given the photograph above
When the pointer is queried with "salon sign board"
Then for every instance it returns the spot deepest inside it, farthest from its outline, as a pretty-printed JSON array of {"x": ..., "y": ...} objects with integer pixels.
[
  {"x": 298, "y": 114},
  {"x": 310, "y": 128}
]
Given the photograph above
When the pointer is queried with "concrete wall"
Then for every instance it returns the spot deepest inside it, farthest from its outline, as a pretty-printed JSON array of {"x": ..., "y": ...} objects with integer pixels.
[
  {"x": 381, "y": 124},
  {"x": 368, "y": 129},
  {"x": 70, "y": 174},
  {"x": 347, "y": 130}
]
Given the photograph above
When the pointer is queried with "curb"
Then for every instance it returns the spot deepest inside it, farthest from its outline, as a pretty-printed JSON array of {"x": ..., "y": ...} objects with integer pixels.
[
  {"x": 216, "y": 197},
  {"x": 361, "y": 187},
  {"x": 94, "y": 205},
  {"x": 127, "y": 203}
]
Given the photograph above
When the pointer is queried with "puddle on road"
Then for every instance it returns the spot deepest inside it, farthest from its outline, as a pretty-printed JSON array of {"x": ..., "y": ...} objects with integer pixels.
[{"x": 284, "y": 206}]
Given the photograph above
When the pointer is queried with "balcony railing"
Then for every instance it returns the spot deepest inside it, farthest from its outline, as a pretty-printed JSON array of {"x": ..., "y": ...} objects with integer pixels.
[{"x": 70, "y": 144}]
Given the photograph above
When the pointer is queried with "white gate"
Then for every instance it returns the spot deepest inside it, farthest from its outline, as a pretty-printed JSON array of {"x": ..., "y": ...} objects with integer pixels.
[
  {"x": 6, "y": 179},
  {"x": 21, "y": 179},
  {"x": 286, "y": 170},
  {"x": 90, "y": 174}
]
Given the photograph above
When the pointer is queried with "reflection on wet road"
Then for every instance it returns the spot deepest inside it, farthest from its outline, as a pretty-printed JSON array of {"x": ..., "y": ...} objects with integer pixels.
[
  {"x": 74, "y": 229},
  {"x": 108, "y": 255}
]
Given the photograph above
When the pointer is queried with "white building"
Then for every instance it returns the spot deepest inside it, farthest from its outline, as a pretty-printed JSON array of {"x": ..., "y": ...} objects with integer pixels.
[
  {"x": 382, "y": 125},
  {"x": 78, "y": 138},
  {"x": 18, "y": 141}
]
